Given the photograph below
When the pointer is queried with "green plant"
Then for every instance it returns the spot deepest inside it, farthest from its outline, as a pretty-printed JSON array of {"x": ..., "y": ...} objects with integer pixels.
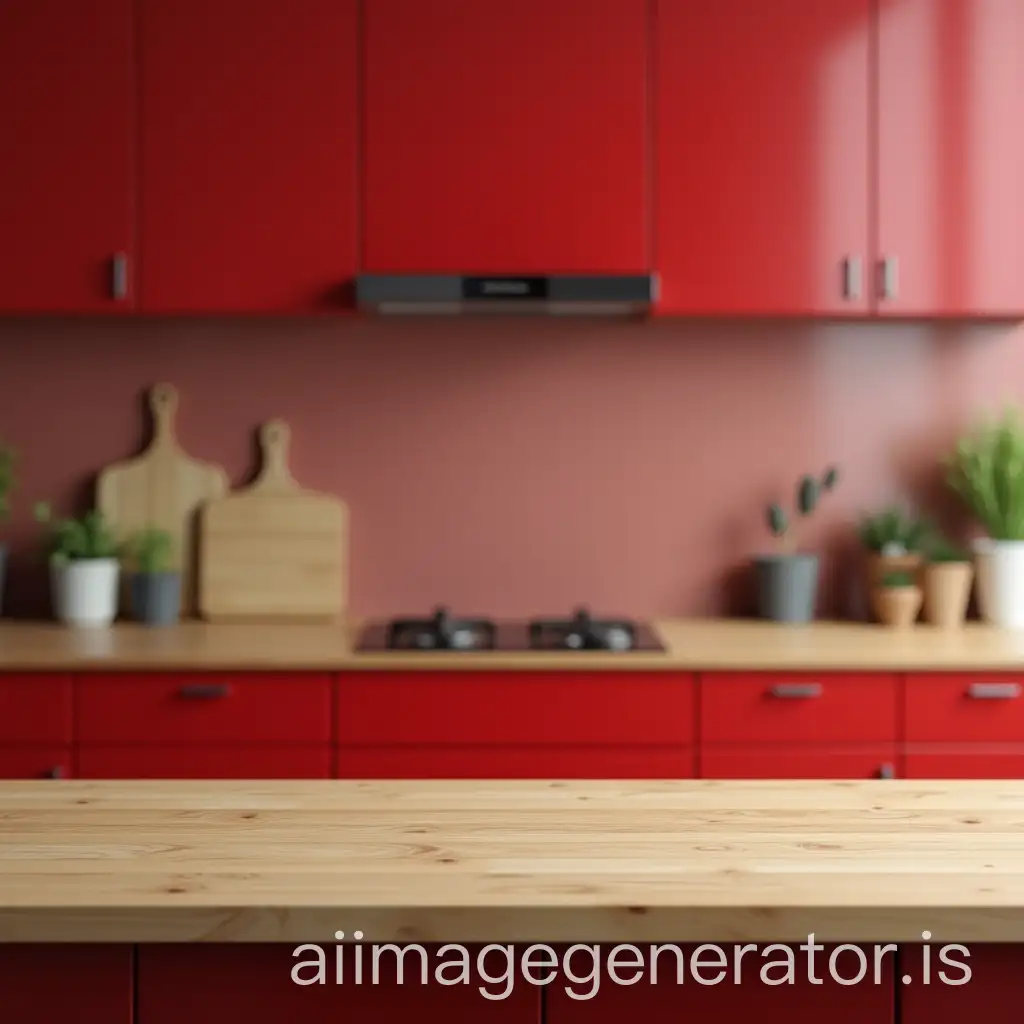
[
  {"x": 898, "y": 579},
  {"x": 942, "y": 550},
  {"x": 894, "y": 532},
  {"x": 986, "y": 469},
  {"x": 76, "y": 539},
  {"x": 808, "y": 493},
  {"x": 7, "y": 460},
  {"x": 152, "y": 550}
]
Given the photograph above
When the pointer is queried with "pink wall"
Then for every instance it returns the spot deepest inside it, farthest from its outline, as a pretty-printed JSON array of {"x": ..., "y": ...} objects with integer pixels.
[{"x": 511, "y": 468}]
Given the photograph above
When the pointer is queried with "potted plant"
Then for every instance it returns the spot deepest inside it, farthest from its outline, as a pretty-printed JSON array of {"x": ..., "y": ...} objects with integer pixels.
[
  {"x": 895, "y": 542},
  {"x": 986, "y": 469},
  {"x": 6, "y": 486},
  {"x": 897, "y": 599},
  {"x": 787, "y": 582},
  {"x": 84, "y": 568},
  {"x": 156, "y": 584},
  {"x": 947, "y": 585}
]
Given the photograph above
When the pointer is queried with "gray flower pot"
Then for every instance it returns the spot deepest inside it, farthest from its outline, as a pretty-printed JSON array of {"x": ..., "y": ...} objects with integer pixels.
[
  {"x": 787, "y": 587},
  {"x": 3, "y": 574},
  {"x": 156, "y": 598}
]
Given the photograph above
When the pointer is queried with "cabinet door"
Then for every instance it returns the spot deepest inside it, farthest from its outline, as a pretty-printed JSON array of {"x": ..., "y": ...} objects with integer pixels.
[
  {"x": 717, "y": 762},
  {"x": 763, "y": 156},
  {"x": 67, "y": 120},
  {"x": 506, "y": 137},
  {"x": 964, "y": 762},
  {"x": 951, "y": 157},
  {"x": 58, "y": 984},
  {"x": 984, "y": 985},
  {"x": 35, "y": 708},
  {"x": 34, "y": 762},
  {"x": 192, "y": 762},
  {"x": 248, "y": 155}
]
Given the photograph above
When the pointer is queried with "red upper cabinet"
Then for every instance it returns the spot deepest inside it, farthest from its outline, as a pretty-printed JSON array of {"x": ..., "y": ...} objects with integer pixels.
[
  {"x": 67, "y": 120},
  {"x": 951, "y": 157},
  {"x": 763, "y": 156},
  {"x": 249, "y": 155},
  {"x": 506, "y": 137}
]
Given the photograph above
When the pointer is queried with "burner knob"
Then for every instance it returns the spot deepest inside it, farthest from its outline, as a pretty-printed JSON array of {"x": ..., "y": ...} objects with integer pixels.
[
  {"x": 618, "y": 639},
  {"x": 462, "y": 638}
]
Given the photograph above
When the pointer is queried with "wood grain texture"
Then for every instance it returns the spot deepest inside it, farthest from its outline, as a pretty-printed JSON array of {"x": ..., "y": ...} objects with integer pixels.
[
  {"x": 693, "y": 645},
  {"x": 162, "y": 487},
  {"x": 511, "y": 861},
  {"x": 273, "y": 550}
]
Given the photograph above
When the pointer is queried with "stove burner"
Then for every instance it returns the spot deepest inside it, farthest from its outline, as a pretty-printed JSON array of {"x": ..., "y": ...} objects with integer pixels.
[
  {"x": 441, "y": 632},
  {"x": 583, "y": 633}
]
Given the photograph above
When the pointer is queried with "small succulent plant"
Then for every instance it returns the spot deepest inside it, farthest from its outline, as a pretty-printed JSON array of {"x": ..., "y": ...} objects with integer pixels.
[
  {"x": 809, "y": 491},
  {"x": 152, "y": 550},
  {"x": 892, "y": 532},
  {"x": 894, "y": 580},
  {"x": 73, "y": 540}
]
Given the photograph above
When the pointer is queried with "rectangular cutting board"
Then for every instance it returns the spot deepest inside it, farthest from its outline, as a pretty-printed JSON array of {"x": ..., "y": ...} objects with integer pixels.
[{"x": 274, "y": 550}]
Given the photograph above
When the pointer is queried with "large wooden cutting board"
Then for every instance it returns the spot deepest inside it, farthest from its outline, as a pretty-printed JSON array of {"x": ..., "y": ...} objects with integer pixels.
[
  {"x": 162, "y": 487},
  {"x": 273, "y": 550}
]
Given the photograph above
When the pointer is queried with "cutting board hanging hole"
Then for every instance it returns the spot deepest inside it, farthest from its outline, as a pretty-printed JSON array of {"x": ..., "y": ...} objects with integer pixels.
[{"x": 163, "y": 405}]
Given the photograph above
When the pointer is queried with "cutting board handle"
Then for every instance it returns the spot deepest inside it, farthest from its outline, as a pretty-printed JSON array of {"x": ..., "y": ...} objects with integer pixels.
[
  {"x": 275, "y": 474},
  {"x": 163, "y": 405}
]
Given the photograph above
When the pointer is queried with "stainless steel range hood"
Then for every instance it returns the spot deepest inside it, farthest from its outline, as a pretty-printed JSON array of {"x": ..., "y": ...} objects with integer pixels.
[{"x": 555, "y": 294}]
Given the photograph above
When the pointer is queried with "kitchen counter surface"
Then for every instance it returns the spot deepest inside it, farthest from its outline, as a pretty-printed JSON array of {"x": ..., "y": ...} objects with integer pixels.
[
  {"x": 693, "y": 644},
  {"x": 468, "y": 861}
]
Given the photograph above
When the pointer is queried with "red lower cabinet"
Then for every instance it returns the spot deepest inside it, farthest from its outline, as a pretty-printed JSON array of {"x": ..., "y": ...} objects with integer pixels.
[
  {"x": 238, "y": 762},
  {"x": 875, "y": 762},
  {"x": 966, "y": 762},
  {"x": 35, "y": 762},
  {"x": 212, "y": 984},
  {"x": 942, "y": 985},
  {"x": 66, "y": 984},
  {"x": 723, "y": 983}
]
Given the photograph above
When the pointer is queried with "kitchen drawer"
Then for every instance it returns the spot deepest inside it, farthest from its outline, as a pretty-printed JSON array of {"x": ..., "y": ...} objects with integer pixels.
[
  {"x": 516, "y": 708},
  {"x": 35, "y": 762},
  {"x": 846, "y": 762},
  {"x": 974, "y": 707},
  {"x": 207, "y": 708},
  {"x": 35, "y": 708},
  {"x": 478, "y": 762},
  {"x": 798, "y": 707},
  {"x": 964, "y": 761},
  {"x": 305, "y": 761}
]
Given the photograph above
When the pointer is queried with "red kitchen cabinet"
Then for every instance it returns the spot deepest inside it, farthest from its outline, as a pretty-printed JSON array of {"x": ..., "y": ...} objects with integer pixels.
[
  {"x": 209, "y": 984},
  {"x": 248, "y": 155},
  {"x": 746, "y": 762},
  {"x": 36, "y": 762},
  {"x": 312, "y": 761},
  {"x": 951, "y": 707},
  {"x": 506, "y": 137},
  {"x": 949, "y": 986},
  {"x": 60, "y": 984},
  {"x": 763, "y": 142},
  {"x": 35, "y": 708},
  {"x": 956, "y": 761},
  {"x": 951, "y": 158},
  {"x": 67, "y": 188}
]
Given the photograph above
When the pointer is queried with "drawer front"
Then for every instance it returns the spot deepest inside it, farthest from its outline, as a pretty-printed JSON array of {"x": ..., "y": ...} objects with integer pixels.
[
  {"x": 208, "y": 708},
  {"x": 306, "y": 761},
  {"x": 798, "y": 707},
  {"x": 941, "y": 761},
  {"x": 871, "y": 762},
  {"x": 977, "y": 707},
  {"x": 469, "y": 762},
  {"x": 35, "y": 708},
  {"x": 516, "y": 708},
  {"x": 36, "y": 762}
]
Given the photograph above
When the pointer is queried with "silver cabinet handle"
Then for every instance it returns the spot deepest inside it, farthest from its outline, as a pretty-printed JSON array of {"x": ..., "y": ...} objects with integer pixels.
[
  {"x": 994, "y": 691},
  {"x": 887, "y": 772},
  {"x": 119, "y": 276},
  {"x": 852, "y": 283},
  {"x": 797, "y": 691},
  {"x": 889, "y": 283}
]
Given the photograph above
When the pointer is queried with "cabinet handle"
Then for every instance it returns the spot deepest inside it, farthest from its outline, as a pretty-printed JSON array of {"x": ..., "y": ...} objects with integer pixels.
[
  {"x": 56, "y": 772},
  {"x": 798, "y": 691},
  {"x": 204, "y": 691},
  {"x": 889, "y": 284},
  {"x": 994, "y": 691},
  {"x": 851, "y": 278},
  {"x": 887, "y": 772},
  {"x": 119, "y": 276}
]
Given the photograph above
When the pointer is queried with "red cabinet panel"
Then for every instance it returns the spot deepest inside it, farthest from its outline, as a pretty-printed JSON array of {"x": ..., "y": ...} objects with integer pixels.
[
  {"x": 951, "y": 156},
  {"x": 67, "y": 120},
  {"x": 35, "y": 708},
  {"x": 984, "y": 985},
  {"x": 312, "y": 761},
  {"x": 763, "y": 156},
  {"x": 747, "y": 762},
  {"x": 36, "y": 762},
  {"x": 965, "y": 708},
  {"x": 61, "y": 984},
  {"x": 799, "y": 707},
  {"x": 963, "y": 761},
  {"x": 209, "y": 984},
  {"x": 249, "y": 155},
  {"x": 506, "y": 137},
  {"x": 204, "y": 708}
]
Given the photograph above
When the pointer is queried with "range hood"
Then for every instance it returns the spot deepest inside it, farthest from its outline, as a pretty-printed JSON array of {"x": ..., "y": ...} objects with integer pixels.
[{"x": 555, "y": 294}]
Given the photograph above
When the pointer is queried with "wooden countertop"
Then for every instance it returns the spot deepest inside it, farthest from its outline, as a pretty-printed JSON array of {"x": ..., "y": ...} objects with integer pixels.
[
  {"x": 693, "y": 644},
  {"x": 511, "y": 861}
]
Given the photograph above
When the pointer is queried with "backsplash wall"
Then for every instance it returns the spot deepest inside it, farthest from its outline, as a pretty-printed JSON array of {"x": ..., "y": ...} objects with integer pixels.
[{"x": 517, "y": 467}]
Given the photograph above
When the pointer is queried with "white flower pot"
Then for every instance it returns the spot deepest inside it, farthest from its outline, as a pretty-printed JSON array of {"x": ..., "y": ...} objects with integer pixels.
[
  {"x": 85, "y": 592},
  {"x": 1001, "y": 583}
]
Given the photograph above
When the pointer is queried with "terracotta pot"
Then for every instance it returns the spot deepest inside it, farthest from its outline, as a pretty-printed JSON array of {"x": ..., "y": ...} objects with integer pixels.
[
  {"x": 879, "y": 566},
  {"x": 947, "y": 592},
  {"x": 897, "y": 606}
]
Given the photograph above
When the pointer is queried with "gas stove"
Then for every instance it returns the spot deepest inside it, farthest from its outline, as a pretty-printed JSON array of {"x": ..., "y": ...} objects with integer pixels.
[{"x": 441, "y": 631}]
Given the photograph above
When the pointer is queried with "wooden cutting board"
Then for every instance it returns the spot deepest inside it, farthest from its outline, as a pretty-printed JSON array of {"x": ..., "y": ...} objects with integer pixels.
[
  {"x": 162, "y": 487},
  {"x": 273, "y": 550}
]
